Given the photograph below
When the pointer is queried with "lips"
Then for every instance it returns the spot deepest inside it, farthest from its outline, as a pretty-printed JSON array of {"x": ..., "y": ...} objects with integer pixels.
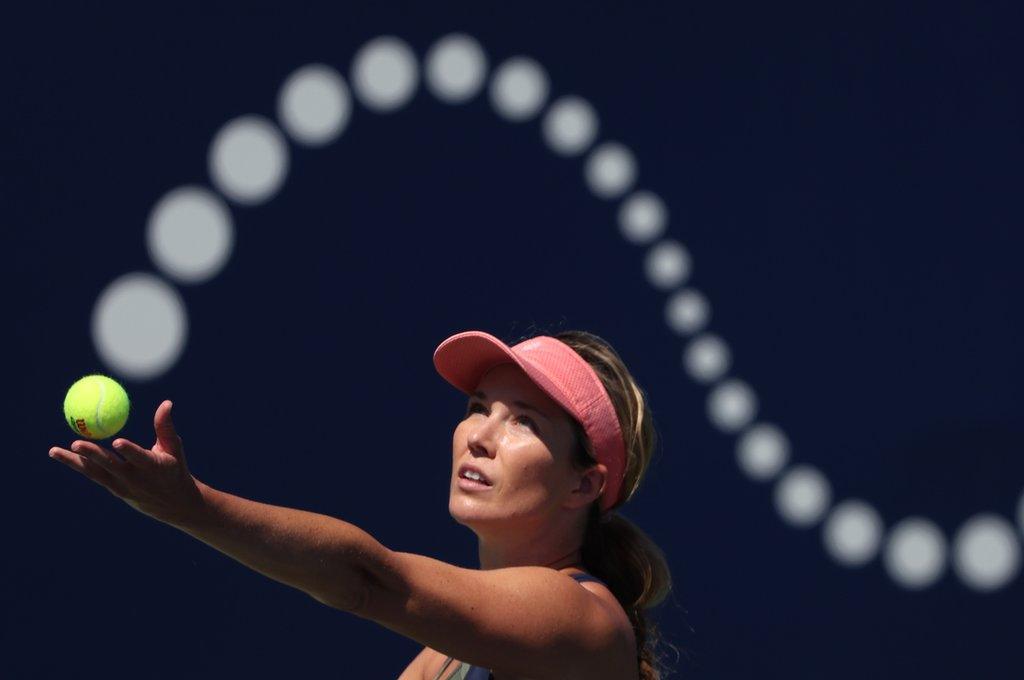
[{"x": 466, "y": 467}]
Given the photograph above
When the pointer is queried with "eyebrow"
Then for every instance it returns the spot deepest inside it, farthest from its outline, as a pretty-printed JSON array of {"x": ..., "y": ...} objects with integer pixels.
[{"x": 520, "y": 404}]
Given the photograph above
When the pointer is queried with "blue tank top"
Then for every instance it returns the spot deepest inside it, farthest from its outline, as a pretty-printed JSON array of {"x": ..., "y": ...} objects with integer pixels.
[{"x": 464, "y": 672}]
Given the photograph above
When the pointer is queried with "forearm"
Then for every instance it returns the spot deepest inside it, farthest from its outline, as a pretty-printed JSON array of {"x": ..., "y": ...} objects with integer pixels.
[{"x": 327, "y": 558}]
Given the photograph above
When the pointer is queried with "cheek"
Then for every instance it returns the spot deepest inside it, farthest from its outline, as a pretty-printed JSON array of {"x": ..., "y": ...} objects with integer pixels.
[{"x": 531, "y": 465}]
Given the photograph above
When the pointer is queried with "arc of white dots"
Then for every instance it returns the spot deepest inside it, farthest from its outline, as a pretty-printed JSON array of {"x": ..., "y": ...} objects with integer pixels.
[{"x": 190, "y": 236}]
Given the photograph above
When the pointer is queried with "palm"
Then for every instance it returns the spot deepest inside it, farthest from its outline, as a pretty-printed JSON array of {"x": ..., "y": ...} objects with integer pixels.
[{"x": 154, "y": 481}]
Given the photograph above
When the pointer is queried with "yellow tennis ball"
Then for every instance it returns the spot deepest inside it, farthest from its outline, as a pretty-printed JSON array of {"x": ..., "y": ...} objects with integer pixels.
[{"x": 96, "y": 407}]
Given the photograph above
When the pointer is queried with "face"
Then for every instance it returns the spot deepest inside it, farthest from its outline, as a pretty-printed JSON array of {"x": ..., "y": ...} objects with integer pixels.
[{"x": 522, "y": 441}]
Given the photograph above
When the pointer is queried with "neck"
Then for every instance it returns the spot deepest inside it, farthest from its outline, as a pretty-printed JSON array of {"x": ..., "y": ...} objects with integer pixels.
[
  {"x": 530, "y": 549},
  {"x": 494, "y": 557}
]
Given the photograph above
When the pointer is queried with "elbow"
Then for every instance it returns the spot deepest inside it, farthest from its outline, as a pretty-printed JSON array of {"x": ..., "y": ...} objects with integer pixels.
[
  {"x": 343, "y": 587},
  {"x": 353, "y": 599},
  {"x": 355, "y": 574},
  {"x": 359, "y": 599}
]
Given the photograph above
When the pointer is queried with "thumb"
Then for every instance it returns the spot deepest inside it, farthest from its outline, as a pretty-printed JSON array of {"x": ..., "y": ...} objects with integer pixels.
[{"x": 166, "y": 436}]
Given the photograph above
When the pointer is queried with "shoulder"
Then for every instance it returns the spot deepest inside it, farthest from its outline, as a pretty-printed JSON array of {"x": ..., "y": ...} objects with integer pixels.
[
  {"x": 610, "y": 604},
  {"x": 517, "y": 619}
]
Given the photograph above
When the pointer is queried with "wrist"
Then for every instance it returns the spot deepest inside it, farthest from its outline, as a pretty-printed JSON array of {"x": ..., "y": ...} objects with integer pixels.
[{"x": 196, "y": 511}]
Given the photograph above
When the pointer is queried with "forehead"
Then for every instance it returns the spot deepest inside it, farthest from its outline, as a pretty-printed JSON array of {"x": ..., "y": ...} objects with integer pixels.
[{"x": 509, "y": 382}]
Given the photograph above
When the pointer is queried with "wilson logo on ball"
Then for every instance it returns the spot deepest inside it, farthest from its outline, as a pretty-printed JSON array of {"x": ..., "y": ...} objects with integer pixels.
[{"x": 82, "y": 427}]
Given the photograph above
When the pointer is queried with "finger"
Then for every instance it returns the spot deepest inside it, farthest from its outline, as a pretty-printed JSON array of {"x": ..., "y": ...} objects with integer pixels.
[
  {"x": 166, "y": 436},
  {"x": 105, "y": 458},
  {"x": 132, "y": 452},
  {"x": 89, "y": 469}
]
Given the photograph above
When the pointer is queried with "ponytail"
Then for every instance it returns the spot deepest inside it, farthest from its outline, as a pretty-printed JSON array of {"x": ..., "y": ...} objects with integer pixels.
[
  {"x": 619, "y": 553},
  {"x": 615, "y": 549}
]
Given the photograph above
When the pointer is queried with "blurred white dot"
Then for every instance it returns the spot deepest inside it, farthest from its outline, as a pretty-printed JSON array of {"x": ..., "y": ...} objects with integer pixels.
[
  {"x": 731, "y": 405},
  {"x": 519, "y": 89},
  {"x": 687, "y": 312},
  {"x": 667, "y": 264},
  {"x": 248, "y": 160},
  {"x": 802, "y": 496},
  {"x": 139, "y": 326},
  {"x": 610, "y": 170},
  {"x": 190, "y": 234},
  {"x": 455, "y": 67},
  {"x": 853, "y": 533},
  {"x": 706, "y": 358},
  {"x": 915, "y": 553},
  {"x": 642, "y": 217},
  {"x": 569, "y": 126},
  {"x": 986, "y": 552},
  {"x": 762, "y": 451},
  {"x": 314, "y": 105},
  {"x": 384, "y": 74}
]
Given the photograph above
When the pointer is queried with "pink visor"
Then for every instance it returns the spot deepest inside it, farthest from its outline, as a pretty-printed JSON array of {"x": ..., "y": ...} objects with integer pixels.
[{"x": 556, "y": 368}]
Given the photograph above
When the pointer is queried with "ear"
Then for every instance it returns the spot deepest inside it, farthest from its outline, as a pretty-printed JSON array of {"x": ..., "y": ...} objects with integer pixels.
[{"x": 590, "y": 486}]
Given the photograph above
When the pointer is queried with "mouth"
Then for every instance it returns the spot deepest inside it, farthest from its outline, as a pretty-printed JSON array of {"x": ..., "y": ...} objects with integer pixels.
[
  {"x": 473, "y": 478},
  {"x": 472, "y": 485}
]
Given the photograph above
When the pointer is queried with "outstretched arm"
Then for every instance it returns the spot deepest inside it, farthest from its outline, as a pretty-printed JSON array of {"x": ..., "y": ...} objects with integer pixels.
[
  {"x": 527, "y": 621},
  {"x": 322, "y": 556},
  {"x": 317, "y": 554}
]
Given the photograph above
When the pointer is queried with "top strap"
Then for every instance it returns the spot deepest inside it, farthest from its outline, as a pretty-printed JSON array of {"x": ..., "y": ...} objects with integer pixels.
[
  {"x": 447, "y": 662},
  {"x": 587, "y": 577}
]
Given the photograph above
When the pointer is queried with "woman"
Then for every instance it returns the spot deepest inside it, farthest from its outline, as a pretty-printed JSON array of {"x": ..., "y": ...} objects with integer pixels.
[{"x": 556, "y": 435}]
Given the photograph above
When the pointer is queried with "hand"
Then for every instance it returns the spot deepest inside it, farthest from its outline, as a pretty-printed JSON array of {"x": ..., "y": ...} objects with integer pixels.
[{"x": 156, "y": 481}]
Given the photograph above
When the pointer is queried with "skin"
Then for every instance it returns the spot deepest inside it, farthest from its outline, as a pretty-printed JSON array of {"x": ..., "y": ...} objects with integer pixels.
[
  {"x": 154, "y": 481},
  {"x": 535, "y": 512},
  {"x": 529, "y": 525}
]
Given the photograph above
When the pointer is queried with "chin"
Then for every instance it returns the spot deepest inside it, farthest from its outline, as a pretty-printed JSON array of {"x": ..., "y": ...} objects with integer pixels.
[{"x": 468, "y": 511}]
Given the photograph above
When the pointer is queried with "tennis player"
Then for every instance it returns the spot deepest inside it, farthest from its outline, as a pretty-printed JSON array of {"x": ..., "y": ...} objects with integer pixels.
[{"x": 556, "y": 435}]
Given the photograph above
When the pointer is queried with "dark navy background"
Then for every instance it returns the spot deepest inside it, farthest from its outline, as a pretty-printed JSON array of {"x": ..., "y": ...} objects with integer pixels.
[{"x": 847, "y": 179}]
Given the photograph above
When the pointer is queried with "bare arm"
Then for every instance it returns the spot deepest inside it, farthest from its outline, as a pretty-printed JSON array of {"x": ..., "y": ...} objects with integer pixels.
[
  {"x": 526, "y": 621},
  {"x": 322, "y": 556},
  {"x": 319, "y": 555}
]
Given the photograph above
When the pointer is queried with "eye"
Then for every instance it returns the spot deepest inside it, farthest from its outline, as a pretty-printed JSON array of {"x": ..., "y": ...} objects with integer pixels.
[
  {"x": 475, "y": 406},
  {"x": 529, "y": 421}
]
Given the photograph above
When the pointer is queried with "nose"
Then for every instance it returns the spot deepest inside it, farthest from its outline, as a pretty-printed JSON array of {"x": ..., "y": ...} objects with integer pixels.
[{"x": 481, "y": 439}]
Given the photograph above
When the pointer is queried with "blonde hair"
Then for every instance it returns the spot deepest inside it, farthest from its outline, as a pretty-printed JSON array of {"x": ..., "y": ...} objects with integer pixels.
[{"x": 615, "y": 549}]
